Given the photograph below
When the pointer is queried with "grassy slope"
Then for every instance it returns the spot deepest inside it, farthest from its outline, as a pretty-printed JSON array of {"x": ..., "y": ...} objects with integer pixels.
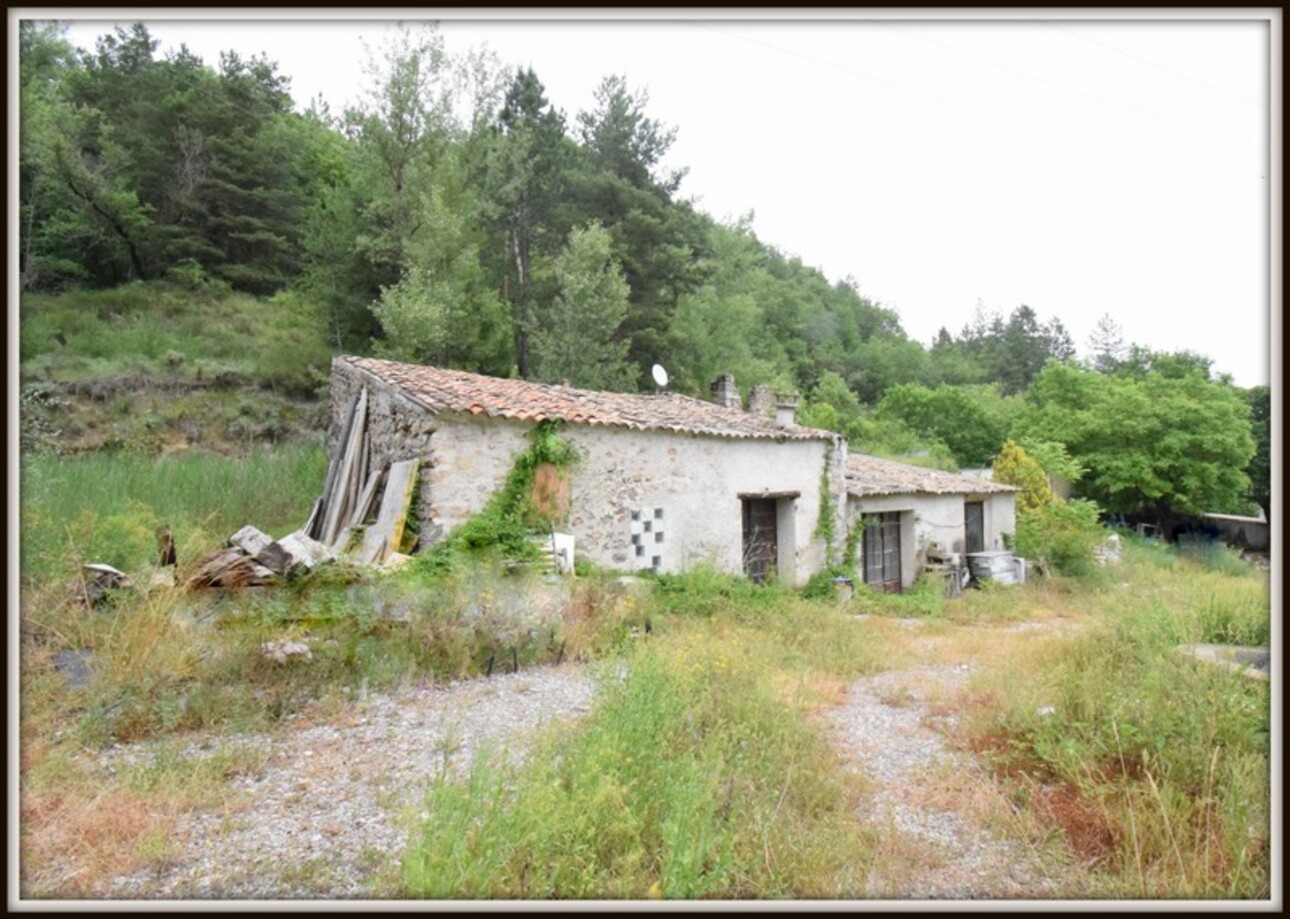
[{"x": 158, "y": 368}]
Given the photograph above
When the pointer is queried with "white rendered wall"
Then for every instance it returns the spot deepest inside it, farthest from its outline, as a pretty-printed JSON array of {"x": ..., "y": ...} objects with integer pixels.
[{"x": 928, "y": 521}]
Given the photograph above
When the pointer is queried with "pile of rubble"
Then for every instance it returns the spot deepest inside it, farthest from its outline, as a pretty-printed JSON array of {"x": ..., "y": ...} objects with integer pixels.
[{"x": 251, "y": 559}]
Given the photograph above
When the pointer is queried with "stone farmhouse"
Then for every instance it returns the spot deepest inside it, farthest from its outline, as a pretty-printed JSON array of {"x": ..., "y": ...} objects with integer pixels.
[{"x": 664, "y": 481}]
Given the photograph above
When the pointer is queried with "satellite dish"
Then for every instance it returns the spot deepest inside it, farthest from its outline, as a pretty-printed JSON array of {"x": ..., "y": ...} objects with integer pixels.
[{"x": 659, "y": 374}]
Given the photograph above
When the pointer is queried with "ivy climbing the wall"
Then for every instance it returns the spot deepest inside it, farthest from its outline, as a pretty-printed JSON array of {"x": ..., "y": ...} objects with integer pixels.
[
  {"x": 821, "y": 583},
  {"x": 530, "y": 503}
]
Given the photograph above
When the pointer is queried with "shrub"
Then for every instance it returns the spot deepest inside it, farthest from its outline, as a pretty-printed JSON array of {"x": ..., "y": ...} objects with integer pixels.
[
  {"x": 926, "y": 597},
  {"x": 1013, "y": 466},
  {"x": 1063, "y": 534},
  {"x": 705, "y": 591},
  {"x": 1179, "y": 775}
]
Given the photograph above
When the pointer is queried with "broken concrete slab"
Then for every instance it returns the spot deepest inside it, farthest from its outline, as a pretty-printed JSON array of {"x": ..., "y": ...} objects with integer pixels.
[
  {"x": 275, "y": 558},
  {"x": 1252, "y": 662},
  {"x": 250, "y": 540},
  {"x": 306, "y": 552}
]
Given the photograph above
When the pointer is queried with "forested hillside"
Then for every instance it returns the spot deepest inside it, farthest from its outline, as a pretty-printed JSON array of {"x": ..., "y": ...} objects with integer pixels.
[{"x": 181, "y": 221}]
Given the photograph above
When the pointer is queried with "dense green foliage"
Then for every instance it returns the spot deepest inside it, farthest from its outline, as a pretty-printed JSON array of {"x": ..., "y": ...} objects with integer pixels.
[
  {"x": 971, "y": 421},
  {"x": 577, "y": 341},
  {"x": 1013, "y": 466},
  {"x": 1152, "y": 444},
  {"x": 1260, "y": 470}
]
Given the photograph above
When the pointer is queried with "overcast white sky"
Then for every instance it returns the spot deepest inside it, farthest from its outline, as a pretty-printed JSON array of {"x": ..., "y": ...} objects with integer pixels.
[{"x": 1080, "y": 166}]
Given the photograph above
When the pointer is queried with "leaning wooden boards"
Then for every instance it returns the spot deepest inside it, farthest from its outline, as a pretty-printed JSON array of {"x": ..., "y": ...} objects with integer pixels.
[{"x": 384, "y": 536}]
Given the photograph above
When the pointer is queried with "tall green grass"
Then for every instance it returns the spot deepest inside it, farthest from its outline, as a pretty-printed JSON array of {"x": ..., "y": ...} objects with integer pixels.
[
  {"x": 690, "y": 779},
  {"x": 106, "y": 507},
  {"x": 1169, "y": 752}
]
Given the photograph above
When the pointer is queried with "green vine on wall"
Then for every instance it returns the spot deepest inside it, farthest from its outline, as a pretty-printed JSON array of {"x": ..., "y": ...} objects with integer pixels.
[
  {"x": 821, "y": 583},
  {"x": 510, "y": 518},
  {"x": 825, "y": 526}
]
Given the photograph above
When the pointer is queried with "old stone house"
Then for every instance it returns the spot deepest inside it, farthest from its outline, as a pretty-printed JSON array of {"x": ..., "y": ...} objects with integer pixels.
[
  {"x": 664, "y": 482},
  {"x": 910, "y": 513},
  {"x": 667, "y": 481}
]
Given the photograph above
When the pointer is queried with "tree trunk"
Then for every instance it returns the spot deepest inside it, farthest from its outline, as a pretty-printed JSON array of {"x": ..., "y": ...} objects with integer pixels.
[
  {"x": 135, "y": 262},
  {"x": 521, "y": 305}
]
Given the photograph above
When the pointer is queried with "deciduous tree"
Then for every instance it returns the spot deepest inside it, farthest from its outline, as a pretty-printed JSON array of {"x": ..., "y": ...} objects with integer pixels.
[{"x": 1153, "y": 445}]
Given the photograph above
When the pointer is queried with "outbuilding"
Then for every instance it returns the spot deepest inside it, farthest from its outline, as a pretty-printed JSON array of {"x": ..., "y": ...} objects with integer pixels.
[{"x": 911, "y": 514}]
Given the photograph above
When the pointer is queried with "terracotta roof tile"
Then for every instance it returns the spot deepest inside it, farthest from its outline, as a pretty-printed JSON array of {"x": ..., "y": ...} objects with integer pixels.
[
  {"x": 452, "y": 391},
  {"x": 869, "y": 475}
]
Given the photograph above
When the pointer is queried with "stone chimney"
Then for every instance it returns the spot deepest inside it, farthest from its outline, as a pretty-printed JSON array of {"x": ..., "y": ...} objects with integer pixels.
[
  {"x": 761, "y": 401},
  {"x": 785, "y": 408},
  {"x": 724, "y": 391}
]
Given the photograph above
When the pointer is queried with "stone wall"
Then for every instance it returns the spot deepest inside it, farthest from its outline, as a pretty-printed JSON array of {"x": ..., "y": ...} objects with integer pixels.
[
  {"x": 679, "y": 495},
  {"x": 473, "y": 455},
  {"x": 641, "y": 500},
  {"x": 398, "y": 427}
]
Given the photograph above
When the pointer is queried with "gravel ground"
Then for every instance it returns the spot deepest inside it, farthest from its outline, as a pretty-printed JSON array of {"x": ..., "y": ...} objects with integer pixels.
[
  {"x": 320, "y": 817},
  {"x": 883, "y": 731}
]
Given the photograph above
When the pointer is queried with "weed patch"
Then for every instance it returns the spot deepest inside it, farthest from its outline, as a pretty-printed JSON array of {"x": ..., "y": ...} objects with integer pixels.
[
  {"x": 689, "y": 780},
  {"x": 1152, "y": 762}
]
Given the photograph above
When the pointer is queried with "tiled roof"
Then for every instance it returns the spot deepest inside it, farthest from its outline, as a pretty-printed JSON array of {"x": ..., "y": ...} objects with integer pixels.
[
  {"x": 869, "y": 475},
  {"x": 455, "y": 391}
]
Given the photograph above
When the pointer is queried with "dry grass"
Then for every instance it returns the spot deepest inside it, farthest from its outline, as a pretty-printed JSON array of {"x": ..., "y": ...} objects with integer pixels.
[
  {"x": 809, "y": 692},
  {"x": 82, "y": 824},
  {"x": 900, "y": 860},
  {"x": 72, "y": 842}
]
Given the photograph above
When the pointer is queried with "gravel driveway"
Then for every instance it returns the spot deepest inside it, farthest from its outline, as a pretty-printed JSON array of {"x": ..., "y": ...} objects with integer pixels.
[
  {"x": 932, "y": 847},
  {"x": 321, "y": 816}
]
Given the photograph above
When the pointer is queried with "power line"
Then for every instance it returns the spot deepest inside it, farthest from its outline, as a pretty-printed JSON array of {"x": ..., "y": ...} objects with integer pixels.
[
  {"x": 1071, "y": 89},
  {"x": 1160, "y": 67}
]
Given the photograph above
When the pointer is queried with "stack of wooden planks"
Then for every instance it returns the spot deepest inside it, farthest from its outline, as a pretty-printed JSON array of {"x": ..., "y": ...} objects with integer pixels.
[
  {"x": 355, "y": 486},
  {"x": 362, "y": 516}
]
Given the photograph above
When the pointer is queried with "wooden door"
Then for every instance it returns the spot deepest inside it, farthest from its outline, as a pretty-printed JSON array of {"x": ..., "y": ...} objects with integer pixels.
[
  {"x": 761, "y": 538},
  {"x": 974, "y": 526},
  {"x": 882, "y": 551}
]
